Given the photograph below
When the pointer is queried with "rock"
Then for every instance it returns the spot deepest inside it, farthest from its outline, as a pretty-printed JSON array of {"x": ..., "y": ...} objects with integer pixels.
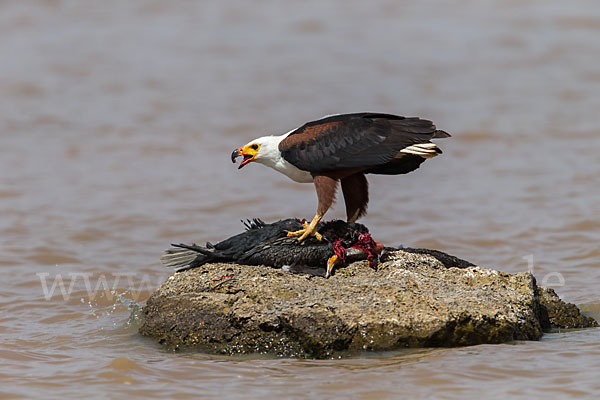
[
  {"x": 411, "y": 300},
  {"x": 561, "y": 315}
]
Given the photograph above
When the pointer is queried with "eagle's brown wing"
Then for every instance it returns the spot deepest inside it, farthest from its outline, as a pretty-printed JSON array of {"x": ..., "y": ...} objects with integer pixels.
[{"x": 348, "y": 141}]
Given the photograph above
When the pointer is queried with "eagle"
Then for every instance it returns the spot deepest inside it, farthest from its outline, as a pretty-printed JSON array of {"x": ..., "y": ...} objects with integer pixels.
[{"x": 344, "y": 148}]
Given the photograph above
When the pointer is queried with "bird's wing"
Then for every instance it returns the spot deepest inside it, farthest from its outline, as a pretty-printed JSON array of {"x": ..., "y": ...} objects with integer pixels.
[{"x": 354, "y": 141}]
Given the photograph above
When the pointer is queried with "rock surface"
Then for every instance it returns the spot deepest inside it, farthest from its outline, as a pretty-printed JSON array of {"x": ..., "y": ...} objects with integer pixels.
[
  {"x": 411, "y": 300},
  {"x": 561, "y": 315}
]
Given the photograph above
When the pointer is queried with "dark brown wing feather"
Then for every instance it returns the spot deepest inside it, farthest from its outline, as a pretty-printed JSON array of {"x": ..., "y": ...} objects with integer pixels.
[
  {"x": 363, "y": 140},
  {"x": 401, "y": 165}
]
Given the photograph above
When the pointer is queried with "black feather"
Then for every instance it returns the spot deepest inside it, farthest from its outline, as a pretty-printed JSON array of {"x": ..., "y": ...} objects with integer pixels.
[{"x": 268, "y": 244}]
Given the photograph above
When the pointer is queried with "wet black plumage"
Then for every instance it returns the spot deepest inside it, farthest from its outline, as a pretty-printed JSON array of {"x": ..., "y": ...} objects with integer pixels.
[{"x": 268, "y": 244}]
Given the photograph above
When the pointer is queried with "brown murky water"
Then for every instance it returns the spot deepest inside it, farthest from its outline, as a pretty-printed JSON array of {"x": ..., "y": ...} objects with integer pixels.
[{"x": 116, "y": 124}]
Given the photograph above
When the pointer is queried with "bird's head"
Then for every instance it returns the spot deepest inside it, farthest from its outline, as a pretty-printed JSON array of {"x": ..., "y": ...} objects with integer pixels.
[
  {"x": 249, "y": 152},
  {"x": 260, "y": 150}
]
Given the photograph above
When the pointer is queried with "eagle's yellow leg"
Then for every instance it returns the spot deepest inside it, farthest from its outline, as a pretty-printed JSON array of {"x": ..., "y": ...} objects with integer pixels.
[
  {"x": 326, "y": 187},
  {"x": 309, "y": 229}
]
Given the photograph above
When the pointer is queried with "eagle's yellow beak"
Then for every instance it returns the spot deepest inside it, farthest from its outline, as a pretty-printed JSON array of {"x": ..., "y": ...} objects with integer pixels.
[{"x": 248, "y": 152}]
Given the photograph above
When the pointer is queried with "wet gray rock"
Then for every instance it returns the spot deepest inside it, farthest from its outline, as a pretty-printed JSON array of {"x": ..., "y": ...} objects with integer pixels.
[{"x": 412, "y": 300}]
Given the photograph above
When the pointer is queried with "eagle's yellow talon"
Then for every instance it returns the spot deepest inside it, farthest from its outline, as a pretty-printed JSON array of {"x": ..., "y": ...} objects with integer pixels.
[
  {"x": 304, "y": 236},
  {"x": 295, "y": 233},
  {"x": 299, "y": 232},
  {"x": 308, "y": 230}
]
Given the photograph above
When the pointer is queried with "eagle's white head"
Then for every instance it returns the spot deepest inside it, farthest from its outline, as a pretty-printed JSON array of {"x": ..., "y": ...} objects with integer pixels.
[{"x": 264, "y": 150}]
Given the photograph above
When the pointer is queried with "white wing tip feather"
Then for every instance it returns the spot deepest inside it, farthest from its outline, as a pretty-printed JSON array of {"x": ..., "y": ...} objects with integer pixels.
[{"x": 425, "y": 150}]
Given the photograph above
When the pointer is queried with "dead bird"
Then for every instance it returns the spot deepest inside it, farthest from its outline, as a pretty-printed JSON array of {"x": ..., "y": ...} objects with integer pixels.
[{"x": 269, "y": 244}]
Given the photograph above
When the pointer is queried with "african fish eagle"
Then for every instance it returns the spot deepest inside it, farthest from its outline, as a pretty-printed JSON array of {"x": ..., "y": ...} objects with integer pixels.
[{"x": 344, "y": 148}]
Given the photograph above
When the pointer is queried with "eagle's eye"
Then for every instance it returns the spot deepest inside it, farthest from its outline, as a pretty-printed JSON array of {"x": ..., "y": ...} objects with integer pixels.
[{"x": 254, "y": 147}]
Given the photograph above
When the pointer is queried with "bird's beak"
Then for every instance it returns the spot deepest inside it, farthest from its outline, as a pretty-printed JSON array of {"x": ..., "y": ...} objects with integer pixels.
[
  {"x": 236, "y": 153},
  {"x": 243, "y": 151}
]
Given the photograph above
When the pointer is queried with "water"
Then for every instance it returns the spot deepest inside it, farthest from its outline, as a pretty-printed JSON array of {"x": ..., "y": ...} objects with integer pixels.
[{"x": 117, "y": 120}]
